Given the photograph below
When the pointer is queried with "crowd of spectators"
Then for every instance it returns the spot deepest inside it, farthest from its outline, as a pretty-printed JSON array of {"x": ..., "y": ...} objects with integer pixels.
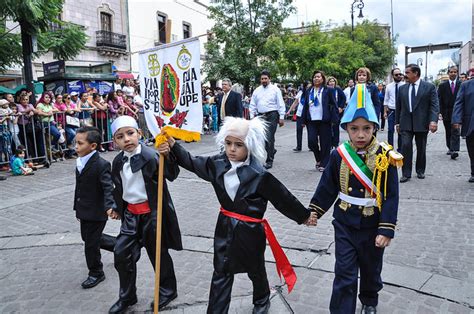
[{"x": 42, "y": 130}]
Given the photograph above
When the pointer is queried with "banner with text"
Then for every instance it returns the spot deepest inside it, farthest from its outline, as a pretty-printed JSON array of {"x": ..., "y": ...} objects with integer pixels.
[{"x": 170, "y": 85}]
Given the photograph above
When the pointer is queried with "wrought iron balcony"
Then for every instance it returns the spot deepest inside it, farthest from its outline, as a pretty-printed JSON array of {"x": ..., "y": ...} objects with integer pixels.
[{"x": 112, "y": 40}]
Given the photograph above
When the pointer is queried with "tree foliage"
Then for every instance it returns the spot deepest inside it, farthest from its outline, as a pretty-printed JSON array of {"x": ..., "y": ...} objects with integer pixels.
[
  {"x": 240, "y": 33},
  {"x": 296, "y": 56},
  {"x": 35, "y": 18}
]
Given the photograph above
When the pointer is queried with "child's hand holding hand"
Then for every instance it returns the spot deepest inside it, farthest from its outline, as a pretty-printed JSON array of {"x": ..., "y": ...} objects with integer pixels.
[
  {"x": 382, "y": 241},
  {"x": 312, "y": 220},
  {"x": 112, "y": 214}
]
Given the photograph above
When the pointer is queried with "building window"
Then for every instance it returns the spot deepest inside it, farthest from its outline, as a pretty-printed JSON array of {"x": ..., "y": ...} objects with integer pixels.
[
  {"x": 186, "y": 30},
  {"x": 105, "y": 22},
  {"x": 54, "y": 26},
  {"x": 161, "y": 28}
]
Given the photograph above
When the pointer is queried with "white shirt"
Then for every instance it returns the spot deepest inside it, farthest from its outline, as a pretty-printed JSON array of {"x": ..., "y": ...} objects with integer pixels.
[
  {"x": 417, "y": 85},
  {"x": 134, "y": 191},
  {"x": 389, "y": 99},
  {"x": 347, "y": 93},
  {"x": 266, "y": 99},
  {"x": 128, "y": 90},
  {"x": 137, "y": 100},
  {"x": 231, "y": 179},
  {"x": 81, "y": 162},
  {"x": 316, "y": 109},
  {"x": 299, "y": 109}
]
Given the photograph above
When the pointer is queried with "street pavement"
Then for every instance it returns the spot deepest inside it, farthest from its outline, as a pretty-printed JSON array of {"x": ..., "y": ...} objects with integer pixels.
[{"x": 429, "y": 267}]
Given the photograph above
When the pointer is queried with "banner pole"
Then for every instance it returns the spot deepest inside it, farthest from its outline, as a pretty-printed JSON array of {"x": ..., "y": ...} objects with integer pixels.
[{"x": 159, "y": 217}]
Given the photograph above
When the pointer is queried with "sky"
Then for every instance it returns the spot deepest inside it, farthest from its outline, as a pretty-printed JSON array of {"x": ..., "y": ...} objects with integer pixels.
[{"x": 416, "y": 22}]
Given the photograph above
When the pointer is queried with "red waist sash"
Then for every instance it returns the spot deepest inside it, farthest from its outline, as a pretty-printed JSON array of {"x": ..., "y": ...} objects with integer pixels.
[
  {"x": 283, "y": 266},
  {"x": 139, "y": 209}
]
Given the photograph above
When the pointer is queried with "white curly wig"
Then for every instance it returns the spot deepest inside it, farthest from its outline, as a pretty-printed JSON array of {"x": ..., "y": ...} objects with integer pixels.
[{"x": 251, "y": 132}]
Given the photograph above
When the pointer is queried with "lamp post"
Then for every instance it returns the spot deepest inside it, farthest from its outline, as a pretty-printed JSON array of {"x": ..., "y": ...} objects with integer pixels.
[{"x": 359, "y": 4}]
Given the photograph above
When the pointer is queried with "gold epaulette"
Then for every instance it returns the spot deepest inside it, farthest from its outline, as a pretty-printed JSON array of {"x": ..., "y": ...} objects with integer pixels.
[{"x": 394, "y": 157}]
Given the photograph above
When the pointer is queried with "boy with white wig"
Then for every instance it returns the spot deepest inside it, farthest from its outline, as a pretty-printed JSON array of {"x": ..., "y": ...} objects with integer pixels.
[{"x": 243, "y": 188}]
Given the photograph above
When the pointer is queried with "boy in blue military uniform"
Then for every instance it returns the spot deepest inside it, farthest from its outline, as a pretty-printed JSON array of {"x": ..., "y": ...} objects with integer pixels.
[{"x": 362, "y": 176}]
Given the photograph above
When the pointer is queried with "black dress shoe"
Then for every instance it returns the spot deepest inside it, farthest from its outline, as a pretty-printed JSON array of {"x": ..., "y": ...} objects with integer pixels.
[
  {"x": 420, "y": 175},
  {"x": 449, "y": 152},
  {"x": 120, "y": 306},
  {"x": 297, "y": 150},
  {"x": 163, "y": 301},
  {"x": 404, "y": 179},
  {"x": 471, "y": 179},
  {"x": 91, "y": 281},
  {"x": 368, "y": 309},
  {"x": 454, "y": 155},
  {"x": 261, "y": 309},
  {"x": 268, "y": 165}
]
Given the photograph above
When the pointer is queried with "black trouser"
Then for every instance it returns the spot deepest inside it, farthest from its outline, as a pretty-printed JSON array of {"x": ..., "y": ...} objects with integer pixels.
[
  {"x": 355, "y": 250},
  {"x": 335, "y": 134},
  {"x": 470, "y": 150},
  {"x": 319, "y": 134},
  {"x": 137, "y": 231},
  {"x": 299, "y": 132},
  {"x": 453, "y": 136},
  {"x": 107, "y": 242},
  {"x": 91, "y": 233},
  {"x": 407, "y": 152},
  {"x": 272, "y": 118},
  {"x": 221, "y": 289}
]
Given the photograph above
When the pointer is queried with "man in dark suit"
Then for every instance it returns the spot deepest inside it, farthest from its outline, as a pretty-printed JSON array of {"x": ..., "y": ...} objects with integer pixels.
[
  {"x": 93, "y": 201},
  {"x": 447, "y": 92},
  {"x": 416, "y": 114},
  {"x": 229, "y": 104},
  {"x": 463, "y": 114}
]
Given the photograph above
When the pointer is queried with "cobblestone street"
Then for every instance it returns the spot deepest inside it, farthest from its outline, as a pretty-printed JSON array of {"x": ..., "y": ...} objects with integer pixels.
[{"x": 429, "y": 268}]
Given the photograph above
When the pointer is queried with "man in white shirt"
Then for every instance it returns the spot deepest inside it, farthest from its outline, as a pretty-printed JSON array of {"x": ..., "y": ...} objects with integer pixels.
[
  {"x": 390, "y": 103},
  {"x": 267, "y": 102},
  {"x": 347, "y": 90}
]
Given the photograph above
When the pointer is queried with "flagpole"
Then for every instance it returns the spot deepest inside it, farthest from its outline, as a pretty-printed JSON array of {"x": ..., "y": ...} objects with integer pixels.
[{"x": 159, "y": 218}]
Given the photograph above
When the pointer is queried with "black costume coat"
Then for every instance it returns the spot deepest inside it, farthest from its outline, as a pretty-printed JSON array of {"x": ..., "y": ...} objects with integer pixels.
[
  {"x": 149, "y": 160},
  {"x": 93, "y": 192},
  {"x": 239, "y": 246}
]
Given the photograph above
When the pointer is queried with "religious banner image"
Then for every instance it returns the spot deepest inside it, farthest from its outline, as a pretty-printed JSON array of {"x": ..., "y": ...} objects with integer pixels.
[{"x": 170, "y": 83}]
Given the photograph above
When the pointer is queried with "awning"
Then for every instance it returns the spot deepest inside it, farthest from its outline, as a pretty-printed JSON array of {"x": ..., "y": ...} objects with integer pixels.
[{"x": 124, "y": 75}]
